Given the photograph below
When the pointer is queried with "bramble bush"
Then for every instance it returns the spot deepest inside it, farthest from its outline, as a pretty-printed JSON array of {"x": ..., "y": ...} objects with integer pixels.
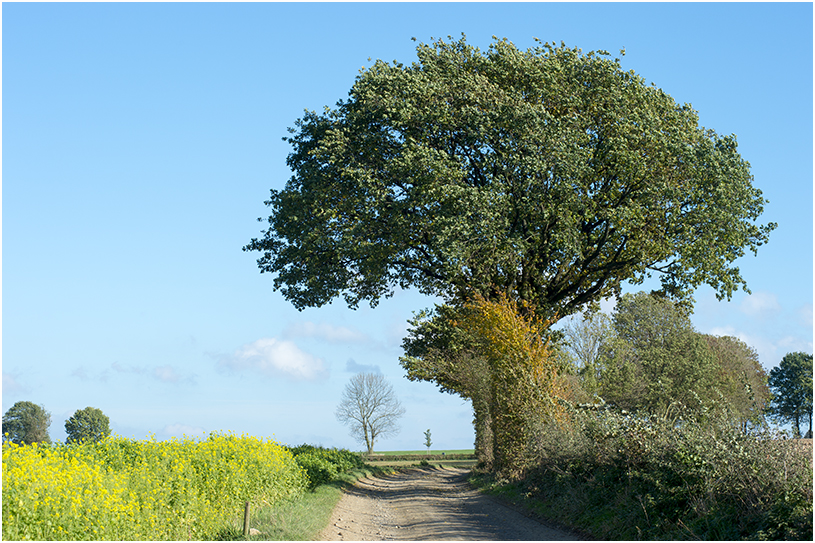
[
  {"x": 121, "y": 489},
  {"x": 623, "y": 476}
]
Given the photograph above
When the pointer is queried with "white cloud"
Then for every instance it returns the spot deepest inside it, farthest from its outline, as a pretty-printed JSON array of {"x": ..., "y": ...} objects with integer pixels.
[
  {"x": 397, "y": 331},
  {"x": 760, "y": 304},
  {"x": 273, "y": 357},
  {"x": 723, "y": 331},
  {"x": 325, "y": 331},
  {"x": 770, "y": 351}
]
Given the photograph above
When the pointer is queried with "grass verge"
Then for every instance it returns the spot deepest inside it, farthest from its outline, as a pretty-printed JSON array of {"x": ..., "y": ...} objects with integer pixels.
[
  {"x": 423, "y": 453},
  {"x": 301, "y": 519}
]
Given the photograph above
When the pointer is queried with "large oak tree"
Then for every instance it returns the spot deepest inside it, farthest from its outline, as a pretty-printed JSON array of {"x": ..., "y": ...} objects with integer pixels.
[{"x": 550, "y": 175}]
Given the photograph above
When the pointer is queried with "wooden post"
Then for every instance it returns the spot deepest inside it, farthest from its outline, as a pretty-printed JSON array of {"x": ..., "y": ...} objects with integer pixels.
[{"x": 246, "y": 521}]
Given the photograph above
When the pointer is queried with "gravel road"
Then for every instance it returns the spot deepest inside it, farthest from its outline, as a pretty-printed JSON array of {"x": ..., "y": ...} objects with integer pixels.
[{"x": 429, "y": 504}]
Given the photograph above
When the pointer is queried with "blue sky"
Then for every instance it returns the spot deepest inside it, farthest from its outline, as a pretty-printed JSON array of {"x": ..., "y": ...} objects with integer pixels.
[{"x": 140, "y": 141}]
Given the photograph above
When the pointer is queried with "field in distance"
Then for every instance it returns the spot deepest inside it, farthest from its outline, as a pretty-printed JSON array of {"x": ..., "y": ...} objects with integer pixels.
[
  {"x": 424, "y": 452},
  {"x": 459, "y": 458}
]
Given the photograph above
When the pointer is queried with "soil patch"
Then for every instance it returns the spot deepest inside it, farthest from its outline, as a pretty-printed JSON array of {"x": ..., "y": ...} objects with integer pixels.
[{"x": 424, "y": 504}]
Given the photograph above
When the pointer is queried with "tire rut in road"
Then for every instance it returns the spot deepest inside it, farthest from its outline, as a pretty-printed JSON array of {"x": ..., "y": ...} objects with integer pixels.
[{"x": 429, "y": 504}]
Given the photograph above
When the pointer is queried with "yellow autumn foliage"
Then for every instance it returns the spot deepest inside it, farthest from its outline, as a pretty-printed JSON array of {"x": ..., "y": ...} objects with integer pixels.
[{"x": 523, "y": 372}]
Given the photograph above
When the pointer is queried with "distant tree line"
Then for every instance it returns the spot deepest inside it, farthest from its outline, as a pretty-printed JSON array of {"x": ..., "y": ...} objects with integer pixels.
[
  {"x": 647, "y": 357},
  {"x": 26, "y": 423}
]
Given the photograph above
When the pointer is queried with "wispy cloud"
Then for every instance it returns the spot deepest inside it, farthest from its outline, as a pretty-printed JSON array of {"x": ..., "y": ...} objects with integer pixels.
[
  {"x": 11, "y": 385},
  {"x": 168, "y": 374},
  {"x": 120, "y": 368},
  {"x": 760, "y": 304},
  {"x": 353, "y": 367},
  {"x": 272, "y": 358},
  {"x": 179, "y": 430},
  {"x": 325, "y": 331},
  {"x": 165, "y": 374},
  {"x": 81, "y": 373}
]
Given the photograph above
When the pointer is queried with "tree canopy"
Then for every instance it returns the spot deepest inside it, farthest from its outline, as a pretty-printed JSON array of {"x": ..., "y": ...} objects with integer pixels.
[
  {"x": 88, "y": 424},
  {"x": 648, "y": 357},
  {"x": 655, "y": 359},
  {"x": 583, "y": 343},
  {"x": 26, "y": 423},
  {"x": 791, "y": 384},
  {"x": 740, "y": 378},
  {"x": 549, "y": 175}
]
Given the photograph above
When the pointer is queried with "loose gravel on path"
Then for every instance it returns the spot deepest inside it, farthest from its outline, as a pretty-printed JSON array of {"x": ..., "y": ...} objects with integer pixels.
[{"x": 429, "y": 504}]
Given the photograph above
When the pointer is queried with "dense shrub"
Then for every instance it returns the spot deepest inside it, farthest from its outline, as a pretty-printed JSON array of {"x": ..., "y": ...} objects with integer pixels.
[
  {"x": 621, "y": 476},
  {"x": 320, "y": 471},
  {"x": 121, "y": 489},
  {"x": 324, "y": 465}
]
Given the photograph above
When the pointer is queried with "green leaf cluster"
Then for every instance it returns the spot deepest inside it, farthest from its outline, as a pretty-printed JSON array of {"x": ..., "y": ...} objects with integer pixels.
[
  {"x": 655, "y": 359},
  {"x": 26, "y": 423},
  {"x": 325, "y": 465},
  {"x": 550, "y": 175},
  {"x": 648, "y": 357},
  {"x": 626, "y": 477},
  {"x": 88, "y": 424},
  {"x": 791, "y": 383}
]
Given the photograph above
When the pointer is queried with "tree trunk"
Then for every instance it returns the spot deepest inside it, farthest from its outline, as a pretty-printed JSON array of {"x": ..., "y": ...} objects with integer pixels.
[
  {"x": 510, "y": 431},
  {"x": 483, "y": 432},
  {"x": 369, "y": 440}
]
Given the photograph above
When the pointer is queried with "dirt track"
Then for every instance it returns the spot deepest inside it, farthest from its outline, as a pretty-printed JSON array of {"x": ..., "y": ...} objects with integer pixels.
[{"x": 429, "y": 504}]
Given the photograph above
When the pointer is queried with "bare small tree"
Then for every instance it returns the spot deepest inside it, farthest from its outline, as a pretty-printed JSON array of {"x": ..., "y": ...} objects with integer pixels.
[
  {"x": 584, "y": 339},
  {"x": 370, "y": 408}
]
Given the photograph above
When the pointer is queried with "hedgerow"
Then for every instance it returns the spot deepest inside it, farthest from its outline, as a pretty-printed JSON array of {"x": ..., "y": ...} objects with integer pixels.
[
  {"x": 623, "y": 476},
  {"x": 324, "y": 465}
]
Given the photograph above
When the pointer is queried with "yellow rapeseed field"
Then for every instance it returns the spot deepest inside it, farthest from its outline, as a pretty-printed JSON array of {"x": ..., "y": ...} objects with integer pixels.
[{"x": 122, "y": 489}]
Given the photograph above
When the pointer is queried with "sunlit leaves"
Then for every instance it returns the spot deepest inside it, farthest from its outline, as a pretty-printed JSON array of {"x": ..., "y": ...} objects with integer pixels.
[
  {"x": 523, "y": 377},
  {"x": 550, "y": 175}
]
